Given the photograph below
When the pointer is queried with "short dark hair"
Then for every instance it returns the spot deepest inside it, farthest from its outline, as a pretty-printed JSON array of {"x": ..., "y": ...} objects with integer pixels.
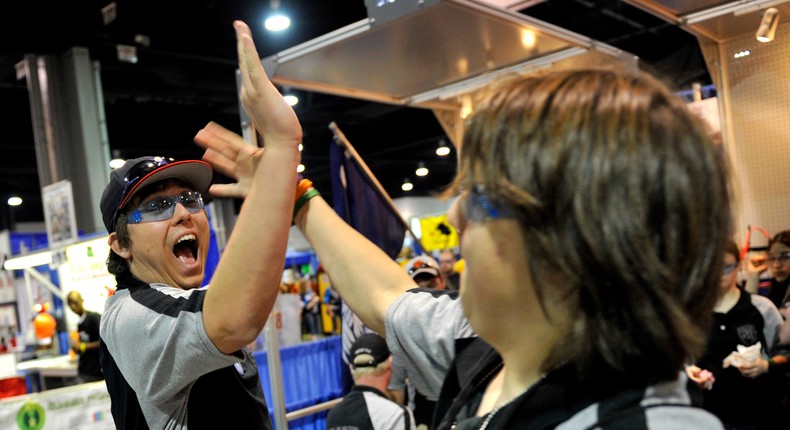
[
  {"x": 782, "y": 237},
  {"x": 624, "y": 204},
  {"x": 116, "y": 264}
]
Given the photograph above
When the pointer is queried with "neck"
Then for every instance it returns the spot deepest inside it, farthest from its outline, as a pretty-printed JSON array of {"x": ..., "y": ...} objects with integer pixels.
[
  {"x": 378, "y": 382},
  {"x": 728, "y": 300}
]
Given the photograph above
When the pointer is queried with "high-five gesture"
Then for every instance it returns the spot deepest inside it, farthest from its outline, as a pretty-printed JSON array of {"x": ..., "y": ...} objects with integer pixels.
[{"x": 270, "y": 114}]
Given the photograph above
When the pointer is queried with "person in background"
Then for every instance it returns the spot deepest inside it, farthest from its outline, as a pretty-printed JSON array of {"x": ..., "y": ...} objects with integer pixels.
[
  {"x": 174, "y": 354},
  {"x": 311, "y": 308},
  {"x": 333, "y": 304},
  {"x": 86, "y": 345},
  {"x": 366, "y": 407},
  {"x": 744, "y": 393},
  {"x": 567, "y": 180},
  {"x": 447, "y": 262},
  {"x": 425, "y": 272},
  {"x": 779, "y": 262}
]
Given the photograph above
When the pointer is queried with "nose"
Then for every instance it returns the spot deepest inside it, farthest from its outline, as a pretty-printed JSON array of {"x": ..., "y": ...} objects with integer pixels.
[{"x": 181, "y": 214}]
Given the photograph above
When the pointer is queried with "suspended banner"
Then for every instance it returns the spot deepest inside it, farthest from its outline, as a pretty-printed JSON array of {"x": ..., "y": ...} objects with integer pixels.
[{"x": 437, "y": 233}]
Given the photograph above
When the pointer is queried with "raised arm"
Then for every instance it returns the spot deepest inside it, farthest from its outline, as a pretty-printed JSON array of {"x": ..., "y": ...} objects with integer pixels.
[
  {"x": 366, "y": 277},
  {"x": 246, "y": 281}
]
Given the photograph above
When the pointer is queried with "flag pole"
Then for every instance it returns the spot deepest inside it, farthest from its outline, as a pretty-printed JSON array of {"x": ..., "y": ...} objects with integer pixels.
[{"x": 340, "y": 139}]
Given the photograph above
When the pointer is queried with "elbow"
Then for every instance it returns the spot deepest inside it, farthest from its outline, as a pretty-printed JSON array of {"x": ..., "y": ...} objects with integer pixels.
[{"x": 229, "y": 339}]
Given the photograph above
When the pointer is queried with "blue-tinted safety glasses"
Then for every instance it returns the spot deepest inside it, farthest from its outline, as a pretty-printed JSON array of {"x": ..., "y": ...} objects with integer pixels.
[
  {"x": 480, "y": 207},
  {"x": 162, "y": 208}
]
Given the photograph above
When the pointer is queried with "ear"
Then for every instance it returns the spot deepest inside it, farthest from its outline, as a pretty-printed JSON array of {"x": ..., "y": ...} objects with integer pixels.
[{"x": 115, "y": 245}]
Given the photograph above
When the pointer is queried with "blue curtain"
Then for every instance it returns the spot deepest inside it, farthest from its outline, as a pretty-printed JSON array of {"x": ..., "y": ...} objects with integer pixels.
[{"x": 313, "y": 373}]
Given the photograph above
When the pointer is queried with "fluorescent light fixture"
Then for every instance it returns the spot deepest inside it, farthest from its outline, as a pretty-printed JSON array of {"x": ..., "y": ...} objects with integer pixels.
[
  {"x": 29, "y": 260},
  {"x": 14, "y": 201}
]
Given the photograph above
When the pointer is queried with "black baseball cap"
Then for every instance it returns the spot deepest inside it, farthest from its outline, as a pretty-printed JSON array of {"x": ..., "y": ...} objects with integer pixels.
[
  {"x": 136, "y": 173},
  {"x": 369, "y": 350}
]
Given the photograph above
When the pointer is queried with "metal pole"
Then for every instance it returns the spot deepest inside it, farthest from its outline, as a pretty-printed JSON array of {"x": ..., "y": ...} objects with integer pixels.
[{"x": 275, "y": 373}]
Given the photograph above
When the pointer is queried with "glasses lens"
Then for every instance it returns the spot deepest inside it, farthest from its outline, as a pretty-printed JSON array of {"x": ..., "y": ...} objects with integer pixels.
[
  {"x": 728, "y": 268},
  {"x": 163, "y": 207},
  {"x": 781, "y": 258},
  {"x": 480, "y": 207}
]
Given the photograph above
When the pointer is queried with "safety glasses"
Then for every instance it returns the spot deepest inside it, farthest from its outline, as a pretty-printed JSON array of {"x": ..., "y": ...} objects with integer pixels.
[
  {"x": 142, "y": 169},
  {"x": 162, "y": 208},
  {"x": 728, "y": 268},
  {"x": 480, "y": 207},
  {"x": 781, "y": 258}
]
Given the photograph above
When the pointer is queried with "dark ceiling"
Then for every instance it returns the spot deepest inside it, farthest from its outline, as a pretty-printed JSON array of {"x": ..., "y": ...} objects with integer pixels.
[{"x": 185, "y": 77}]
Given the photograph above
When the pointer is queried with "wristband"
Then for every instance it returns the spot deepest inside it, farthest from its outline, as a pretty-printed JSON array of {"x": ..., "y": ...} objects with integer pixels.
[
  {"x": 302, "y": 200},
  {"x": 82, "y": 346},
  {"x": 301, "y": 188}
]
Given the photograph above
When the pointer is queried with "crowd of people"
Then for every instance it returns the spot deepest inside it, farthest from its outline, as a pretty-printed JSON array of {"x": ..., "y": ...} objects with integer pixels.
[{"x": 598, "y": 276}]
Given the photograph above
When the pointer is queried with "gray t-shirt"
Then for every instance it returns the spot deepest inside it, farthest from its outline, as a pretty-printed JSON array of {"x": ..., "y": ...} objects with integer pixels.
[
  {"x": 421, "y": 328},
  {"x": 158, "y": 342}
]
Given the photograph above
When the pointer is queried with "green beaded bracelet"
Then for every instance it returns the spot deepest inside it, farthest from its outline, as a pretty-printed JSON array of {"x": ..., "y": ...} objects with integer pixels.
[{"x": 309, "y": 194}]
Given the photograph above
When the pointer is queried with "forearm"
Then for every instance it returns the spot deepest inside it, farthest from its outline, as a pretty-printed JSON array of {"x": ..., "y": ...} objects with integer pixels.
[
  {"x": 367, "y": 278},
  {"x": 246, "y": 282},
  {"x": 752, "y": 281}
]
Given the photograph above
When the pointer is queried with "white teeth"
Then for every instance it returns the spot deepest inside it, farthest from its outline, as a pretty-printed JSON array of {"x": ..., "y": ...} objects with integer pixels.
[{"x": 187, "y": 237}]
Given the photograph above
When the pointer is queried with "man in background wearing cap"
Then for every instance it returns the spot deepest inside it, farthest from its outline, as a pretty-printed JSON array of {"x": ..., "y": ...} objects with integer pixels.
[
  {"x": 366, "y": 407},
  {"x": 174, "y": 354},
  {"x": 426, "y": 272}
]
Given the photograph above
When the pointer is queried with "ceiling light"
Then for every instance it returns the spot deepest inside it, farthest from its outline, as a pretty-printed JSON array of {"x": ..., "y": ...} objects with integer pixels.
[
  {"x": 407, "y": 185},
  {"x": 442, "y": 149},
  {"x": 300, "y": 168},
  {"x": 291, "y": 99},
  {"x": 276, "y": 21},
  {"x": 301, "y": 147},
  {"x": 14, "y": 201},
  {"x": 116, "y": 163},
  {"x": 767, "y": 29},
  {"x": 421, "y": 170}
]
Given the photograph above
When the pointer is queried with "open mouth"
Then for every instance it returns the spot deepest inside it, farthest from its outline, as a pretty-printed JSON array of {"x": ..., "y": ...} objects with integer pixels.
[{"x": 186, "y": 249}]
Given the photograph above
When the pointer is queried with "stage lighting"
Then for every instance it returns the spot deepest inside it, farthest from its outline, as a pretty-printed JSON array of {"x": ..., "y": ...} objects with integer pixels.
[{"x": 767, "y": 29}]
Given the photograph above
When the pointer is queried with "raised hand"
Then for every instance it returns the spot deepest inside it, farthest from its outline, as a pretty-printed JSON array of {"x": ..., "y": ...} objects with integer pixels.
[
  {"x": 271, "y": 115},
  {"x": 227, "y": 152}
]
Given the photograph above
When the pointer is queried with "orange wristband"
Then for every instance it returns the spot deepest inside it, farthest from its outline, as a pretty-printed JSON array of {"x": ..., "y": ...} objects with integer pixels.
[{"x": 302, "y": 187}]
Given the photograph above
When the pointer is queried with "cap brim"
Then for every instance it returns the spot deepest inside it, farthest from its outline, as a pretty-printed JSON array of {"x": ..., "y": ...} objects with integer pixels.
[
  {"x": 195, "y": 173},
  {"x": 426, "y": 271}
]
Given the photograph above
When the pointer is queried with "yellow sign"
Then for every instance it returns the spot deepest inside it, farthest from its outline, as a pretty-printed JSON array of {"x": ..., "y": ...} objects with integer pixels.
[{"x": 437, "y": 233}]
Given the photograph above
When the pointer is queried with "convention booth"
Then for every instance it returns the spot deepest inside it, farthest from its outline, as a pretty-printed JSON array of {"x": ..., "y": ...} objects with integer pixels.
[{"x": 428, "y": 65}]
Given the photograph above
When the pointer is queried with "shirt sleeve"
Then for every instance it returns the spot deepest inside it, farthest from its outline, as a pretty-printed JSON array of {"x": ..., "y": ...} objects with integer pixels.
[
  {"x": 421, "y": 328},
  {"x": 772, "y": 320}
]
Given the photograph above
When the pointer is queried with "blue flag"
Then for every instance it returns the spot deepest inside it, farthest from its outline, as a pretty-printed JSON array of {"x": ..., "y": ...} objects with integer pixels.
[{"x": 356, "y": 200}]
